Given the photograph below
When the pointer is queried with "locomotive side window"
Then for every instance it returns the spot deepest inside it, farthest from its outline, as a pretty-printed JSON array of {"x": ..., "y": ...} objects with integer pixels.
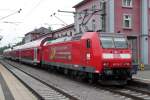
[
  {"x": 88, "y": 43},
  {"x": 120, "y": 42},
  {"x": 107, "y": 42}
]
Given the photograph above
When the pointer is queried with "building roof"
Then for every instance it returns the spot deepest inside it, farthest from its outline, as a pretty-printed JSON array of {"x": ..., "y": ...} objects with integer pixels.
[
  {"x": 80, "y": 3},
  {"x": 41, "y": 30},
  {"x": 58, "y": 30},
  {"x": 63, "y": 28}
]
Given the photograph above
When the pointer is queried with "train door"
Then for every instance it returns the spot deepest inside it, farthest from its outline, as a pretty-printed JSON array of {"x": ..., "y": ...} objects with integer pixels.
[
  {"x": 86, "y": 54},
  {"x": 133, "y": 45},
  {"x": 19, "y": 55},
  {"x": 35, "y": 54}
]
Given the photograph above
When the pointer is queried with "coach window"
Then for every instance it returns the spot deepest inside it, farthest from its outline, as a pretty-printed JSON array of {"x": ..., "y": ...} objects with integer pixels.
[{"x": 35, "y": 53}]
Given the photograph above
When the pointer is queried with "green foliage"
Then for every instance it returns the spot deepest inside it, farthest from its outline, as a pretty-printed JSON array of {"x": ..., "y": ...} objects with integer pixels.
[
  {"x": 6, "y": 47},
  {"x": 3, "y": 48}
]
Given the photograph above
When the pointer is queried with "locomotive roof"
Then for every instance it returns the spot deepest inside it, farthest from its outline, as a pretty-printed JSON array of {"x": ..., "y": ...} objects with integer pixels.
[
  {"x": 112, "y": 34},
  {"x": 63, "y": 39},
  {"x": 16, "y": 47}
]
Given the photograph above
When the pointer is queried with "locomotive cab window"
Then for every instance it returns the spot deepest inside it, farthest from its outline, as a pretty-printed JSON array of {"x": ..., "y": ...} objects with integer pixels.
[
  {"x": 120, "y": 42},
  {"x": 88, "y": 43},
  {"x": 107, "y": 42}
]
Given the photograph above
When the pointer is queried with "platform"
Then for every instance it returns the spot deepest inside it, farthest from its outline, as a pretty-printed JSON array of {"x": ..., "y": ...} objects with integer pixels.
[
  {"x": 143, "y": 75},
  {"x": 11, "y": 88}
]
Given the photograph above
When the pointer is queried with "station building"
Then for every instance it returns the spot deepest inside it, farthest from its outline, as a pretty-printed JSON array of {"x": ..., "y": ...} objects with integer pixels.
[
  {"x": 61, "y": 32},
  {"x": 33, "y": 35},
  {"x": 131, "y": 17}
]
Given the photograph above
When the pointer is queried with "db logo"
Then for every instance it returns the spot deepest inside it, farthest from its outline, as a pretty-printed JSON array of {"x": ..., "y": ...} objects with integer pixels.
[{"x": 52, "y": 54}]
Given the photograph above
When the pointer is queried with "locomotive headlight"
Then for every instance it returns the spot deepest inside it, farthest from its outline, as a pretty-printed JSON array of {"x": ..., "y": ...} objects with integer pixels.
[
  {"x": 108, "y": 56},
  {"x": 88, "y": 56}
]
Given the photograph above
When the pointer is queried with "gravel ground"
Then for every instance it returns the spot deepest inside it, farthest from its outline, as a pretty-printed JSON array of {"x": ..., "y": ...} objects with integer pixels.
[{"x": 78, "y": 89}]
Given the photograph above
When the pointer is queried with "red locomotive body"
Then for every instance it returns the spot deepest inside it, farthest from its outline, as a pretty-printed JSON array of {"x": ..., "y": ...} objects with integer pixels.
[{"x": 93, "y": 53}]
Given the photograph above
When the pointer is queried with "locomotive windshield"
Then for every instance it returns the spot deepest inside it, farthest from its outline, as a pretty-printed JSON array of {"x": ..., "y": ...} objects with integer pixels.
[
  {"x": 120, "y": 42},
  {"x": 113, "y": 42},
  {"x": 107, "y": 42}
]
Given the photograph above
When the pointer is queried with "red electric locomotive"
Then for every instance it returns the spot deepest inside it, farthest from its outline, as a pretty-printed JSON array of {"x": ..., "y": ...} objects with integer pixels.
[{"x": 93, "y": 55}]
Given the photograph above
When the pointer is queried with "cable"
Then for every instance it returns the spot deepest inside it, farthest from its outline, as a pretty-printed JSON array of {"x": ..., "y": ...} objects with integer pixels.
[
  {"x": 11, "y": 14},
  {"x": 31, "y": 11},
  {"x": 54, "y": 14}
]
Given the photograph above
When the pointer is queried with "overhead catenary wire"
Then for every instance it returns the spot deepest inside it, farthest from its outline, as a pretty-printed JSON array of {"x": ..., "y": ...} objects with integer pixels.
[
  {"x": 24, "y": 19},
  {"x": 54, "y": 14},
  {"x": 32, "y": 9},
  {"x": 11, "y": 14}
]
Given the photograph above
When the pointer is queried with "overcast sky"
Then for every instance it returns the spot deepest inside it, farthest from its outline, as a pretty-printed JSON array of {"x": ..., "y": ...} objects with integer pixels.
[{"x": 34, "y": 14}]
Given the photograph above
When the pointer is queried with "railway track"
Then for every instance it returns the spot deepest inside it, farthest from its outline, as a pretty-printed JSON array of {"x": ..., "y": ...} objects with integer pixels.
[
  {"x": 41, "y": 89},
  {"x": 131, "y": 92}
]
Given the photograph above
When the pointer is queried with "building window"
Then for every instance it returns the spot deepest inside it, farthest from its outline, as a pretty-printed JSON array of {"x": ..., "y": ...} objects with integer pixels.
[
  {"x": 80, "y": 29},
  {"x": 65, "y": 34},
  {"x": 80, "y": 15},
  {"x": 127, "y": 3},
  {"x": 127, "y": 21},
  {"x": 55, "y": 35},
  {"x": 85, "y": 12},
  {"x": 59, "y": 35},
  {"x": 149, "y": 3},
  {"x": 70, "y": 33},
  {"x": 93, "y": 25},
  {"x": 102, "y": 5},
  {"x": 102, "y": 23},
  {"x": 93, "y": 8}
]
